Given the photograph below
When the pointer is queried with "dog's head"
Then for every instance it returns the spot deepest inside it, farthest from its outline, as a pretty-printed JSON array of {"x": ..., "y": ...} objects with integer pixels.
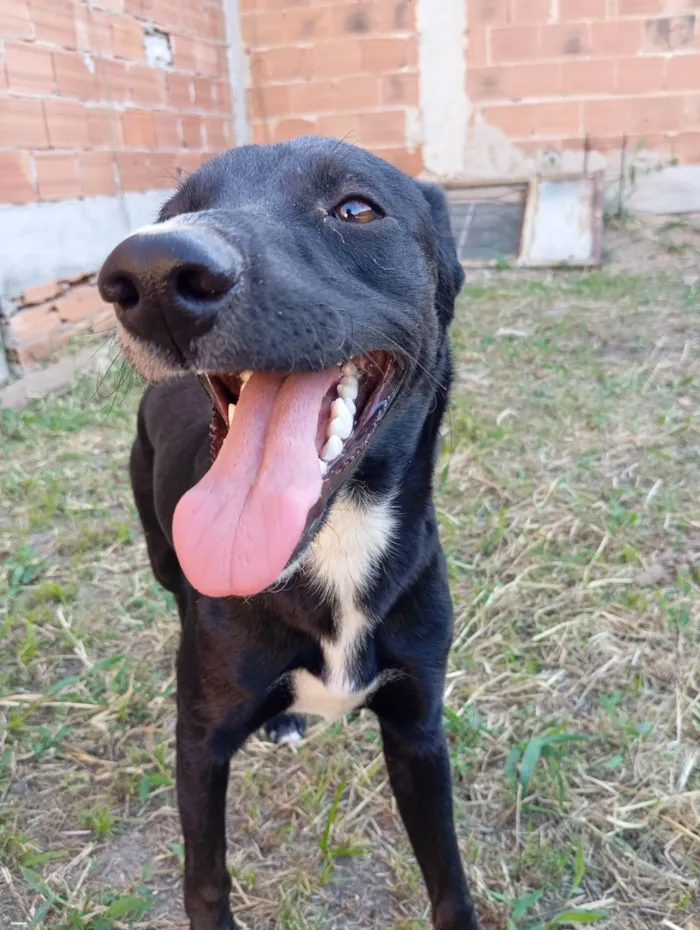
[{"x": 309, "y": 285}]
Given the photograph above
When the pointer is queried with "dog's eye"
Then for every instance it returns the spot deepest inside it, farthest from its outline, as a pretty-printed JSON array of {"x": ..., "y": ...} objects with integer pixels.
[{"x": 357, "y": 211}]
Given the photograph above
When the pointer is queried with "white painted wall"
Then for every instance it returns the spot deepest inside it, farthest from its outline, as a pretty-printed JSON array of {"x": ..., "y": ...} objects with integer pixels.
[
  {"x": 40, "y": 242},
  {"x": 442, "y": 44}
]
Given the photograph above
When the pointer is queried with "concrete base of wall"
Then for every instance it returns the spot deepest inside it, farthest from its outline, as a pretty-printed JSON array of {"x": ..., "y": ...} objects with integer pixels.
[{"x": 48, "y": 241}]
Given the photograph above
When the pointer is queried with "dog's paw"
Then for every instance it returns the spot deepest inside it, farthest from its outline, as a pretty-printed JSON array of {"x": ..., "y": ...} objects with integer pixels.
[{"x": 287, "y": 728}]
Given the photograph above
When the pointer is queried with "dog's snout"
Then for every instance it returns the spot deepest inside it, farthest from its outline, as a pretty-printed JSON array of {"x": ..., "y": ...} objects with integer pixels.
[{"x": 183, "y": 275}]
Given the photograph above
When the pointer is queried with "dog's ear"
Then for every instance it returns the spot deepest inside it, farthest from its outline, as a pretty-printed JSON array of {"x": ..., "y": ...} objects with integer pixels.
[{"x": 450, "y": 271}]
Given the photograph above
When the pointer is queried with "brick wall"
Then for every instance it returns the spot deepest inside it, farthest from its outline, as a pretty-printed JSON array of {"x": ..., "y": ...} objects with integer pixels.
[
  {"x": 549, "y": 72},
  {"x": 343, "y": 69},
  {"x": 84, "y": 111}
]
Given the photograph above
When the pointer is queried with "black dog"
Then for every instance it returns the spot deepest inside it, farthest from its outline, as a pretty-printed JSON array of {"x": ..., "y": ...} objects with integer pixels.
[{"x": 295, "y": 299}]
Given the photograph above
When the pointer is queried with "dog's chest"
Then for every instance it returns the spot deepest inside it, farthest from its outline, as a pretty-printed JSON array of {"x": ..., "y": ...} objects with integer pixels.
[{"x": 342, "y": 560}]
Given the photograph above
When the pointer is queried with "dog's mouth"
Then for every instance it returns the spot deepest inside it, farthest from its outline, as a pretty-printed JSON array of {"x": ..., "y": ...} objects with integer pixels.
[{"x": 280, "y": 447}]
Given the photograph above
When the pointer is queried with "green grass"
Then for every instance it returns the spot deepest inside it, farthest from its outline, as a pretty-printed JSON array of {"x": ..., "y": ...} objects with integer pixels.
[{"x": 570, "y": 512}]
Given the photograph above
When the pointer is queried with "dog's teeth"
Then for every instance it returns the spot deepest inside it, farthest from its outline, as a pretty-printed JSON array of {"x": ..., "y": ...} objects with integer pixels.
[
  {"x": 245, "y": 375},
  {"x": 324, "y": 468},
  {"x": 332, "y": 449},
  {"x": 349, "y": 368},
  {"x": 350, "y": 404},
  {"x": 340, "y": 428},
  {"x": 231, "y": 411},
  {"x": 348, "y": 388},
  {"x": 341, "y": 420}
]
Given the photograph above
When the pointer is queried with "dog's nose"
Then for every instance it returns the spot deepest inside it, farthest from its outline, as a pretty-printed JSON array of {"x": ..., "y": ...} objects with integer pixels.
[{"x": 180, "y": 275}]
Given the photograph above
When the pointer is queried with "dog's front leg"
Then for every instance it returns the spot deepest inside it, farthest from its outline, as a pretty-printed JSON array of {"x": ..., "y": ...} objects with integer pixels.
[
  {"x": 419, "y": 771},
  {"x": 201, "y": 793}
]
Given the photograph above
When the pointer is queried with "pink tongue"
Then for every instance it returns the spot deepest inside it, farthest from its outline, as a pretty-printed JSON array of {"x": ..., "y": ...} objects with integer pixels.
[{"x": 236, "y": 530}]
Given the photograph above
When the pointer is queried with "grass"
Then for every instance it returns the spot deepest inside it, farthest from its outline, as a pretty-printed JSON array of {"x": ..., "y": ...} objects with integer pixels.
[{"x": 570, "y": 512}]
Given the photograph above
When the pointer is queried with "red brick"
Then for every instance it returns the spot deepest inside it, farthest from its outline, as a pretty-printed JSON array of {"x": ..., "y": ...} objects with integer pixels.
[
  {"x": 616, "y": 38},
  {"x": 642, "y": 75},
  {"x": 23, "y": 122},
  {"x": 73, "y": 77},
  {"x": 479, "y": 47},
  {"x": 340, "y": 126},
  {"x": 58, "y": 175},
  {"x": 167, "y": 130},
  {"x": 203, "y": 93},
  {"x": 410, "y": 162},
  {"x": 534, "y": 80},
  {"x": 162, "y": 170},
  {"x": 222, "y": 94},
  {"x": 53, "y": 22},
  {"x": 387, "y": 128},
  {"x": 353, "y": 18},
  {"x": 191, "y": 131},
  {"x": 29, "y": 68},
  {"x": 516, "y": 121},
  {"x": 604, "y": 118},
  {"x": 15, "y": 19},
  {"x": 100, "y": 29},
  {"x": 399, "y": 89},
  {"x": 334, "y": 59},
  {"x": 139, "y": 132},
  {"x": 488, "y": 12},
  {"x": 210, "y": 59},
  {"x": 586, "y": 77},
  {"x": 105, "y": 128},
  {"x": 382, "y": 55},
  {"x": 78, "y": 304},
  {"x": 395, "y": 16},
  {"x": 640, "y": 7},
  {"x": 195, "y": 55},
  {"x": 112, "y": 80},
  {"x": 488, "y": 83},
  {"x": 683, "y": 72},
  {"x": 563, "y": 41},
  {"x": 530, "y": 11},
  {"x": 265, "y": 102},
  {"x": 146, "y": 86},
  {"x": 187, "y": 162},
  {"x": 558, "y": 119},
  {"x": 261, "y": 133},
  {"x": 183, "y": 52},
  {"x": 291, "y": 128},
  {"x": 503, "y": 83},
  {"x": 97, "y": 174},
  {"x": 691, "y": 112},
  {"x": 346, "y": 94},
  {"x": 180, "y": 92},
  {"x": 215, "y": 133},
  {"x": 81, "y": 25},
  {"x": 577, "y": 10},
  {"x": 166, "y": 12},
  {"x": 133, "y": 170},
  {"x": 290, "y": 26},
  {"x": 67, "y": 124},
  {"x": 39, "y": 294},
  {"x": 16, "y": 181},
  {"x": 515, "y": 43},
  {"x": 670, "y": 33},
  {"x": 283, "y": 64},
  {"x": 127, "y": 38},
  {"x": 655, "y": 114}
]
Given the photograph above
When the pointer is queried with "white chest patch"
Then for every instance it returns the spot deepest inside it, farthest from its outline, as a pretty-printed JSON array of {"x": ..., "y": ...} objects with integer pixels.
[{"x": 342, "y": 560}]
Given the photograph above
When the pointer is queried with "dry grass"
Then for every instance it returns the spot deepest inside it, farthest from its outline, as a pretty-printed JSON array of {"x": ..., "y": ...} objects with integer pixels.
[{"x": 570, "y": 512}]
